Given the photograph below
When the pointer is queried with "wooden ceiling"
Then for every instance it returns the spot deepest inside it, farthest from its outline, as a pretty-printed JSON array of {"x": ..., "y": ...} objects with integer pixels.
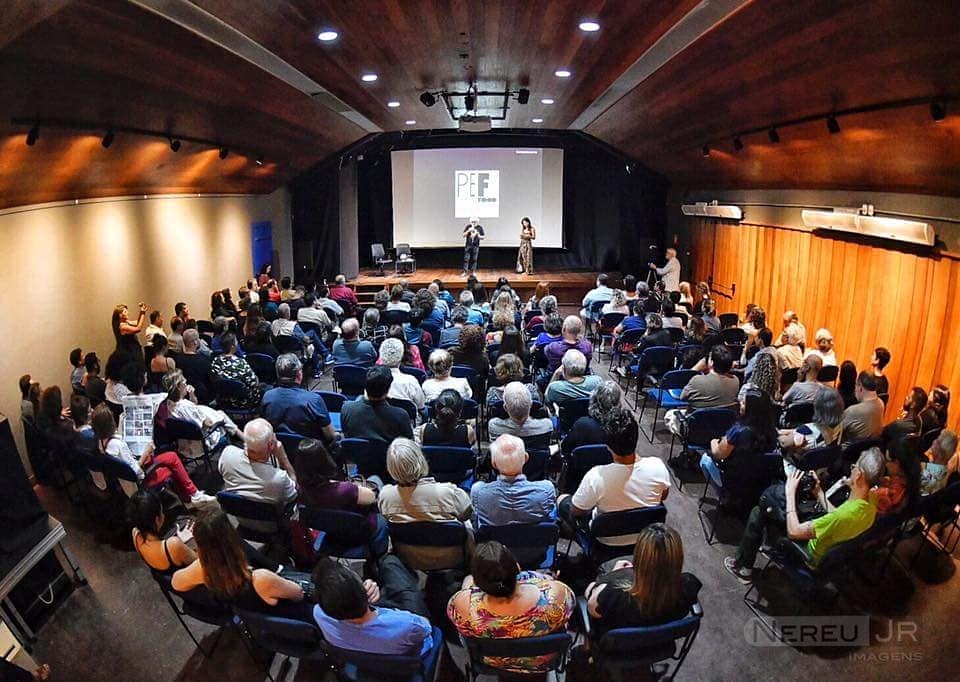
[{"x": 112, "y": 62}]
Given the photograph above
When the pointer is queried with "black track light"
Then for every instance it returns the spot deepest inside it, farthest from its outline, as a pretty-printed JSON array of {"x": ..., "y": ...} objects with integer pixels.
[
  {"x": 832, "y": 125},
  {"x": 773, "y": 135},
  {"x": 938, "y": 110},
  {"x": 428, "y": 99},
  {"x": 224, "y": 152},
  {"x": 174, "y": 145},
  {"x": 737, "y": 143},
  {"x": 469, "y": 102},
  {"x": 706, "y": 150},
  {"x": 33, "y": 135},
  {"x": 523, "y": 96},
  {"x": 108, "y": 139}
]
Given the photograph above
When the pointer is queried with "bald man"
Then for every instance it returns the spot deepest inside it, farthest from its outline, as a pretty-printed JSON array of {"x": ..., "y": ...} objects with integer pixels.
[
  {"x": 511, "y": 498},
  {"x": 261, "y": 471}
]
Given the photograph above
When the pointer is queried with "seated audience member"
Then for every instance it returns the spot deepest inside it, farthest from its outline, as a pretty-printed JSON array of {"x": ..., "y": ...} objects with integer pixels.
[
  {"x": 441, "y": 364},
  {"x": 286, "y": 289},
  {"x": 160, "y": 364},
  {"x": 451, "y": 335},
  {"x": 806, "y": 387},
  {"x": 396, "y": 299},
  {"x": 93, "y": 386},
  {"x": 511, "y": 498},
  {"x": 389, "y": 618},
  {"x": 417, "y": 496},
  {"x": 655, "y": 335},
  {"x": 291, "y": 405},
  {"x": 284, "y": 326},
  {"x": 763, "y": 342},
  {"x": 80, "y": 416},
  {"x": 700, "y": 298},
  {"x": 650, "y": 590},
  {"x": 517, "y": 403},
  {"x": 899, "y": 487},
  {"x": 839, "y": 524},
  {"x": 261, "y": 471},
  {"x": 552, "y": 331},
  {"x": 601, "y": 292},
  {"x": 847, "y": 383},
  {"x": 443, "y": 293},
  {"x": 670, "y": 320},
  {"x": 411, "y": 354},
  {"x": 182, "y": 404},
  {"x": 312, "y": 312},
  {"x": 76, "y": 374},
  {"x": 343, "y": 294},
  {"x": 548, "y": 305},
  {"x": 825, "y": 429},
  {"x": 404, "y": 386},
  {"x": 934, "y": 416},
  {"x": 735, "y": 460},
  {"x": 223, "y": 567},
  {"x": 616, "y": 304},
  {"x": 371, "y": 416},
  {"x": 229, "y": 366},
  {"x": 507, "y": 369},
  {"x": 533, "y": 303},
  {"x": 636, "y": 320},
  {"x": 908, "y": 422},
  {"x": 572, "y": 334},
  {"x": 501, "y": 601},
  {"x": 57, "y": 427},
  {"x": 29, "y": 398},
  {"x": 175, "y": 339},
  {"x": 766, "y": 375},
  {"x": 756, "y": 319},
  {"x": 940, "y": 463},
  {"x": 629, "y": 482},
  {"x": 879, "y": 360},
  {"x": 350, "y": 349},
  {"x": 571, "y": 381},
  {"x": 471, "y": 351},
  {"x": 824, "y": 348},
  {"x": 381, "y": 299},
  {"x": 371, "y": 331},
  {"x": 789, "y": 354},
  {"x": 166, "y": 465},
  {"x": 447, "y": 427},
  {"x": 433, "y": 311},
  {"x": 588, "y": 429},
  {"x": 512, "y": 343},
  {"x": 686, "y": 297},
  {"x": 262, "y": 341},
  {"x": 196, "y": 367},
  {"x": 221, "y": 325},
  {"x": 716, "y": 388},
  {"x": 325, "y": 302},
  {"x": 162, "y": 554},
  {"x": 865, "y": 419},
  {"x": 414, "y": 331},
  {"x": 500, "y": 321},
  {"x": 114, "y": 390},
  {"x": 710, "y": 317},
  {"x": 792, "y": 327}
]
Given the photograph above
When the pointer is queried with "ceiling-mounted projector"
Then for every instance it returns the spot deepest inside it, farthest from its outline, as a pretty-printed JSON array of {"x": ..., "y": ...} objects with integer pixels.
[
  {"x": 475, "y": 124},
  {"x": 712, "y": 210}
]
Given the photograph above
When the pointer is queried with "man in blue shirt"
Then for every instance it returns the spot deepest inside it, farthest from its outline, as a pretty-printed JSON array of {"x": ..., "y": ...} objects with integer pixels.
[
  {"x": 350, "y": 349},
  {"x": 599, "y": 293},
  {"x": 451, "y": 335},
  {"x": 296, "y": 408},
  {"x": 512, "y": 498},
  {"x": 474, "y": 312}
]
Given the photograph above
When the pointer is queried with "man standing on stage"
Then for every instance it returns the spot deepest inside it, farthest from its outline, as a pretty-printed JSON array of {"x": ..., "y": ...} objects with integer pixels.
[
  {"x": 473, "y": 233},
  {"x": 669, "y": 273}
]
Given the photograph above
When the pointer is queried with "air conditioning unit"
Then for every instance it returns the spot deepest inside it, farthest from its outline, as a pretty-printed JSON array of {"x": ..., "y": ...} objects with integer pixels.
[
  {"x": 475, "y": 124},
  {"x": 862, "y": 221},
  {"x": 712, "y": 210}
]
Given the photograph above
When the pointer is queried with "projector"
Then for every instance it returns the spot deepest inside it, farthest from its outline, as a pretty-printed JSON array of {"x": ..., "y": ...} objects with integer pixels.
[{"x": 475, "y": 124}]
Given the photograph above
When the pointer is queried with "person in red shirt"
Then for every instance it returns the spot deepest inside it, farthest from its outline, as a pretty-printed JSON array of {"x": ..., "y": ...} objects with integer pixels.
[{"x": 343, "y": 294}]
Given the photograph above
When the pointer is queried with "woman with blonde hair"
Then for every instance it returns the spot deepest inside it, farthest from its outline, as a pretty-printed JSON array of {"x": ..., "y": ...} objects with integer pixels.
[
  {"x": 616, "y": 304},
  {"x": 686, "y": 296}
]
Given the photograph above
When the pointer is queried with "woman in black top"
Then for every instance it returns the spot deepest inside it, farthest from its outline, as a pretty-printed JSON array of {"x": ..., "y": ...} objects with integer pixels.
[
  {"x": 512, "y": 342},
  {"x": 847, "y": 383},
  {"x": 126, "y": 332},
  {"x": 162, "y": 554},
  {"x": 446, "y": 428},
  {"x": 261, "y": 342},
  {"x": 588, "y": 430},
  {"x": 471, "y": 351},
  {"x": 934, "y": 416}
]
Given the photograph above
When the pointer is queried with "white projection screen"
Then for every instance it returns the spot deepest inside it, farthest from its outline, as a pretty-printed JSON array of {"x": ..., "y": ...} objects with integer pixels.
[{"x": 437, "y": 191}]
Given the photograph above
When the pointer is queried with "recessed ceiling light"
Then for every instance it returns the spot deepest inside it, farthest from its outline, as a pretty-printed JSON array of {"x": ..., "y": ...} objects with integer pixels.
[
  {"x": 327, "y": 35},
  {"x": 589, "y": 26},
  {"x": 393, "y": 104},
  {"x": 546, "y": 100},
  {"x": 562, "y": 73},
  {"x": 536, "y": 120},
  {"x": 410, "y": 123},
  {"x": 368, "y": 77}
]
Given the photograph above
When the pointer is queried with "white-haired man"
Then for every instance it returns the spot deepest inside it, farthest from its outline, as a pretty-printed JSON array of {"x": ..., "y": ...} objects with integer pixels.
[
  {"x": 404, "y": 386},
  {"x": 517, "y": 402},
  {"x": 261, "y": 470},
  {"x": 473, "y": 235},
  {"x": 571, "y": 380},
  {"x": 511, "y": 498},
  {"x": 572, "y": 333},
  {"x": 670, "y": 273}
]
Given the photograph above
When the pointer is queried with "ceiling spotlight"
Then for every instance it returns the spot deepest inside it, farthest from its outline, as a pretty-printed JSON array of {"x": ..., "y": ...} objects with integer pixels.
[
  {"x": 223, "y": 152},
  {"x": 174, "y": 145},
  {"x": 832, "y": 125},
  {"x": 523, "y": 96},
  {"x": 469, "y": 102},
  {"x": 33, "y": 135},
  {"x": 536, "y": 120},
  {"x": 259, "y": 160},
  {"x": 773, "y": 135},
  {"x": 107, "y": 139},
  {"x": 938, "y": 110},
  {"x": 562, "y": 73},
  {"x": 393, "y": 104},
  {"x": 327, "y": 35},
  {"x": 546, "y": 100},
  {"x": 428, "y": 99},
  {"x": 737, "y": 143},
  {"x": 369, "y": 77},
  {"x": 411, "y": 122},
  {"x": 706, "y": 150},
  {"x": 589, "y": 26}
]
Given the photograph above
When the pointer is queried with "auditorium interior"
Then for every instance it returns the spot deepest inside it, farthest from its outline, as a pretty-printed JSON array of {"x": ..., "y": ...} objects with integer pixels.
[{"x": 479, "y": 339}]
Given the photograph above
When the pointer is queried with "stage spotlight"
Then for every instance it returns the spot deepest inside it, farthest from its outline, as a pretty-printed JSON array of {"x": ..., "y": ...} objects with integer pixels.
[
  {"x": 33, "y": 135},
  {"x": 832, "y": 125},
  {"x": 259, "y": 160},
  {"x": 523, "y": 96},
  {"x": 938, "y": 110},
  {"x": 706, "y": 150},
  {"x": 428, "y": 99},
  {"x": 737, "y": 143},
  {"x": 773, "y": 135},
  {"x": 224, "y": 152},
  {"x": 469, "y": 102},
  {"x": 107, "y": 139},
  {"x": 174, "y": 145}
]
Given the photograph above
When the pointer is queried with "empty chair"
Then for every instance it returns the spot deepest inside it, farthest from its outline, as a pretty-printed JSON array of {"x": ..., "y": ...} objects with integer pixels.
[
  {"x": 379, "y": 257},
  {"x": 581, "y": 461},
  {"x": 653, "y": 363},
  {"x": 343, "y": 534},
  {"x": 733, "y": 336},
  {"x": 451, "y": 464},
  {"x": 666, "y": 395},
  {"x": 370, "y": 456},
  {"x": 350, "y": 380},
  {"x": 334, "y": 402},
  {"x": 728, "y": 320},
  {"x": 611, "y": 524},
  {"x": 289, "y": 637},
  {"x": 263, "y": 366},
  {"x": 533, "y": 544},
  {"x": 262, "y": 522}
]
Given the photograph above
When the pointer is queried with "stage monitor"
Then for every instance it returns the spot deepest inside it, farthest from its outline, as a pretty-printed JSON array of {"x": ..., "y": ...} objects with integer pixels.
[{"x": 437, "y": 191}]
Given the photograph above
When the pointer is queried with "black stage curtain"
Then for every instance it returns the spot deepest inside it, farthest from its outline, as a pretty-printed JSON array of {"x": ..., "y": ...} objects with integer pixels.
[{"x": 614, "y": 208}]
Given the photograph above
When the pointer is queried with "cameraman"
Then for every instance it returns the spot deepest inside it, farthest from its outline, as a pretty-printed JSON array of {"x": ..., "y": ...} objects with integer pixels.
[{"x": 839, "y": 524}]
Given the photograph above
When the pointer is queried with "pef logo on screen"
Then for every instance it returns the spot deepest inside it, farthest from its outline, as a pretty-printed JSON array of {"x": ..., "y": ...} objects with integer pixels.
[{"x": 477, "y": 193}]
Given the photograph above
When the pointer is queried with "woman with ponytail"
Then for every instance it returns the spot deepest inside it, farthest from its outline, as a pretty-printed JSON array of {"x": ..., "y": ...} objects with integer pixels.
[{"x": 446, "y": 427}]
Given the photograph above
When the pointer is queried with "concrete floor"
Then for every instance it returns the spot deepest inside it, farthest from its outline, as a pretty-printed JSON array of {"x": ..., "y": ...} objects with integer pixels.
[{"x": 120, "y": 627}]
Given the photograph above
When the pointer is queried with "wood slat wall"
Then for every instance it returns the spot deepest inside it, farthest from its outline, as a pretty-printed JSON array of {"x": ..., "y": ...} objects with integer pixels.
[{"x": 866, "y": 295}]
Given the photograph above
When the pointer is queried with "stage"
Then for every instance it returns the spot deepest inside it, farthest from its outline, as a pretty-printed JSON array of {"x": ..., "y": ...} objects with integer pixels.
[{"x": 568, "y": 286}]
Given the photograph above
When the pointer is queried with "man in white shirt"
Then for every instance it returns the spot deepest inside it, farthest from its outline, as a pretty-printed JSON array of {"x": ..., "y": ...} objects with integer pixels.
[
  {"x": 155, "y": 327},
  {"x": 261, "y": 471},
  {"x": 824, "y": 349},
  {"x": 669, "y": 273},
  {"x": 404, "y": 386},
  {"x": 629, "y": 482}
]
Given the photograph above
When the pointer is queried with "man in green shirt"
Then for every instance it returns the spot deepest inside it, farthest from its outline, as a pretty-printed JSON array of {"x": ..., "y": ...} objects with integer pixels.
[{"x": 839, "y": 524}]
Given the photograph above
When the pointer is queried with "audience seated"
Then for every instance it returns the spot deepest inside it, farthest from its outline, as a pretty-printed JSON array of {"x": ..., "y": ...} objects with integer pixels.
[
  {"x": 261, "y": 342},
  {"x": 284, "y": 326},
  {"x": 588, "y": 429},
  {"x": 792, "y": 328},
  {"x": 763, "y": 343},
  {"x": 447, "y": 427},
  {"x": 789, "y": 354},
  {"x": 824, "y": 348},
  {"x": 571, "y": 339},
  {"x": 404, "y": 386},
  {"x": 440, "y": 364},
  {"x": 411, "y": 354},
  {"x": 865, "y": 419},
  {"x": 601, "y": 292},
  {"x": 511, "y": 498},
  {"x": 196, "y": 367},
  {"x": 325, "y": 302},
  {"x": 458, "y": 318},
  {"x": 93, "y": 386},
  {"x": 718, "y": 387},
  {"x": 261, "y": 471},
  {"x": 934, "y": 416},
  {"x": 182, "y": 404},
  {"x": 616, "y": 304},
  {"x": 371, "y": 416},
  {"x": 847, "y": 383},
  {"x": 908, "y": 421},
  {"x": 806, "y": 387},
  {"x": 350, "y": 349},
  {"x": 371, "y": 331},
  {"x": 826, "y": 427},
  {"x": 165, "y": 554},
  {"x": 229, "y": 366},
  {"x": 292, "y": 406},
  {"x": 471, "y": 351},
  {"x": 175, "y": 338},
  {"x": 396, "y": 299},
  {"x": 501, "y": 601},
  {"x": 517, "y": 403},
  {"x": 670, "y": 319},
  {"x": 939, "y": 463},
  {"x": 710, "y": 317},
  {"x": 570, "y": 381},
  {"x": 507, "y": 369},
  {"x": 343, "y": 294},
  {"x": 552, "y": 332},
  {"x": 655, "y": 335},
  {"x": 899, "y": 487}
]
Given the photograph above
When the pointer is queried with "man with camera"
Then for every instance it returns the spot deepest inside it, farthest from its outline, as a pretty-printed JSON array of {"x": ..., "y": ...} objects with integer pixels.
[{"x": 839, "y": 524}]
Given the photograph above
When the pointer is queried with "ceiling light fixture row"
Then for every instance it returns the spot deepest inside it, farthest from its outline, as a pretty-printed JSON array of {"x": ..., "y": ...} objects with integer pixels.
[
  {"x": 938, "y": 112},
  {"x": 111, "y": 133}
]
